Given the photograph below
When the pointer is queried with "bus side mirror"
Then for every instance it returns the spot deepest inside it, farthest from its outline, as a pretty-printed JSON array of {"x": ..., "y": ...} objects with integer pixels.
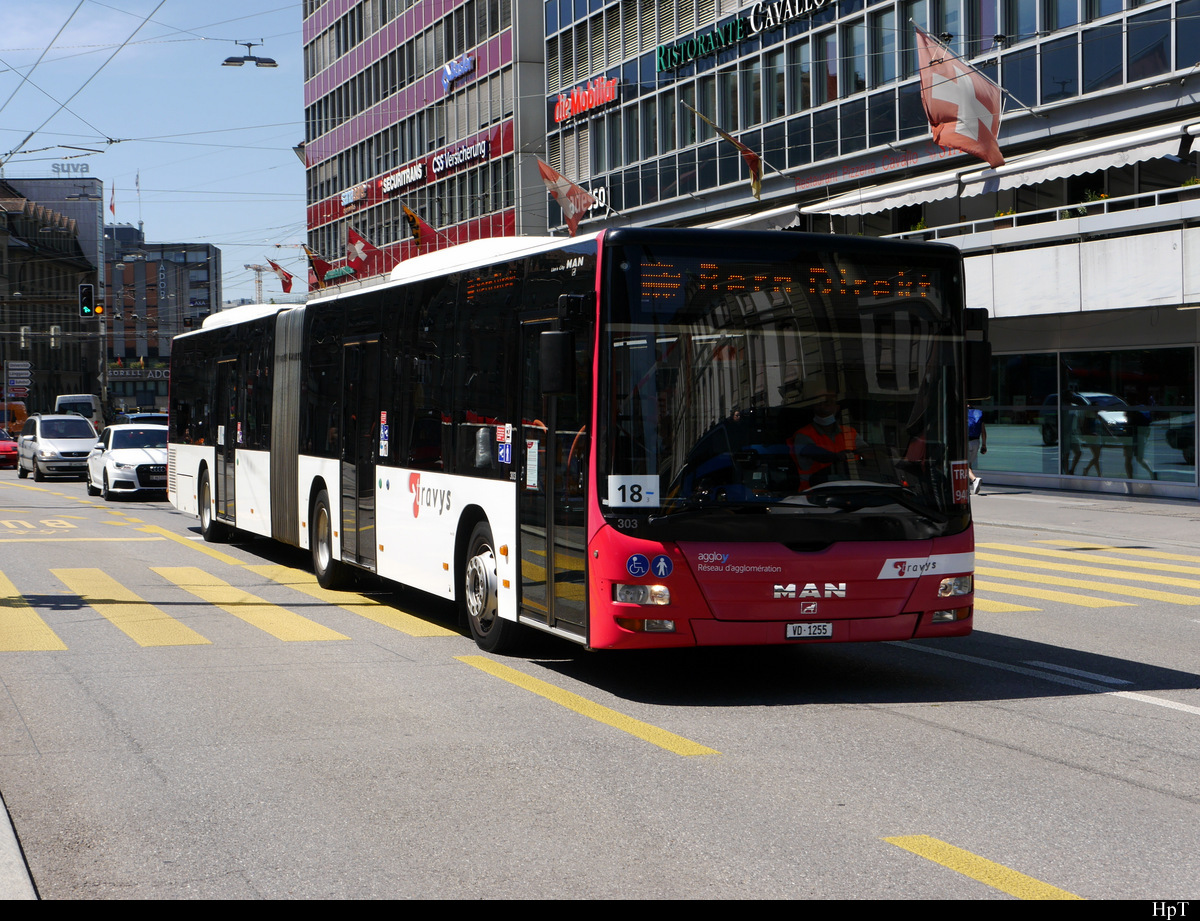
[{"x": 556, "y": 361}]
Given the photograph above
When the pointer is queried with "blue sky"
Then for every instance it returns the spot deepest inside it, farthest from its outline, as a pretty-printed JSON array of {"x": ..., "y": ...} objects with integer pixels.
[{"x": 212, "y": 144}]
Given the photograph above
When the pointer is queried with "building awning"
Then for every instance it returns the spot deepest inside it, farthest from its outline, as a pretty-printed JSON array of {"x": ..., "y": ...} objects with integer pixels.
[
  {"x": 912, "y": 191},
  {"x": 1027, "y": 169},
  {"x": 775, "y": 219},
  {"x": 1078, "y": 159}
]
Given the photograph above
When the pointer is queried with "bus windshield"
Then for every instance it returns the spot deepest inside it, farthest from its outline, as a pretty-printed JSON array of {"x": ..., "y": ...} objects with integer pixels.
[{"x": 782, "y": 395}]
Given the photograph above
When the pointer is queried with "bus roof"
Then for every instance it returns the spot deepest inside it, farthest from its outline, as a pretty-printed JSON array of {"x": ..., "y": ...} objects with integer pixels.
[
  {"x": 240, "y": 315},
  {"x": 465, "y": 256}
]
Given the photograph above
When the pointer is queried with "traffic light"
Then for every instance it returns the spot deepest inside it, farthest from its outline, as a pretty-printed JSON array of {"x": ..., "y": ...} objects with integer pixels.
[{"x": 87, "y": 301}]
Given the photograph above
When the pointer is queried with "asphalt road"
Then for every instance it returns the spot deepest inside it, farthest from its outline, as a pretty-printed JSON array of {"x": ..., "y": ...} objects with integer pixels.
[{"x": 186, "y": 720}]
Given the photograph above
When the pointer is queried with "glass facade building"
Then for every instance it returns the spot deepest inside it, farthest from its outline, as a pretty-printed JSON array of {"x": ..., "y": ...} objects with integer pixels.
[
  {"x": 1080, "y": 246},
  {"x": 413, "y": 103}
]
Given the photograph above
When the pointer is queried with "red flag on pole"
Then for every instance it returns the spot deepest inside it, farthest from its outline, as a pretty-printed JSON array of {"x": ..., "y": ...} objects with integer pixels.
[
  {"x": 753, "y": 160},
  {"x": 422, "y": 232},
  {"x": 112, "y": 200},
  {"x": 320, "y": 268},
  {"x": 358, "y": 250},
  {"x": 962, "y": 104},
  {"x": 285, "y": 277},
  {"x": 573, "y": 199}
]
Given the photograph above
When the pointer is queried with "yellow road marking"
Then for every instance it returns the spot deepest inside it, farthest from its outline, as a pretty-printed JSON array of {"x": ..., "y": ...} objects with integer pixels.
[
  {"x": 21, "y": 629},
  {"x": 353, "y": 602},
  {"x": 1086, "y": 601},
  {"x": 1169, "y": 597},
  {"x": 999, "y": 607},
  {"x": 195, "y": 545},
  {"x": 581, "y": 705},
  {"x": 141, "y": 621},
  {"x": 72, "y": 540},
  {"x": 270, "y": 618},
  {"x": 978, "y": 868},
  {"x": 1094, "y": 558},
  {"x": 1132, "y": 551},
  {"x": 1089, "y": 570}
]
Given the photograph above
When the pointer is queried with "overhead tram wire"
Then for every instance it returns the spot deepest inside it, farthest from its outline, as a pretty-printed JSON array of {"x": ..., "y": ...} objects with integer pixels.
[
  {"x": 64, "y": 104},
  {"x": 25, "y": 77}
]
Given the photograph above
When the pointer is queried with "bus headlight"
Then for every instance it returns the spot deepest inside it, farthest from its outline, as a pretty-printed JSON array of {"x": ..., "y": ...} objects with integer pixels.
[
  {"x": 955, "y": 585},
  {"x": 641, "y": 594}
]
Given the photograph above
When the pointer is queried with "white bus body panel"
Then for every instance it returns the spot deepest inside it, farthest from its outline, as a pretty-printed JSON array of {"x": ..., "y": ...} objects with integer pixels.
[
  {"x": 417, "y": 519},
  {"x": 309, "y": 471},
  {"x": 185, "y": 462},
  {"x": 252, "y": 491}
]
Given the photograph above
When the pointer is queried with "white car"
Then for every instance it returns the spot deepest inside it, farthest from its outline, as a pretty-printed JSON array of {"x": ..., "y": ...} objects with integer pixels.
[{"x": 128, "y": 459}]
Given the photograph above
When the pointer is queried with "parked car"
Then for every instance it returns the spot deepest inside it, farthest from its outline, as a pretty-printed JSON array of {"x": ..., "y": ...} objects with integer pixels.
[
  {"x": 141, "y": 419},
  {"x": 54, "y": 446},
  {"x": 128, "y": 459},
  {"x": 8, "y": 450},
  {"x": 1099, "y": 414}
]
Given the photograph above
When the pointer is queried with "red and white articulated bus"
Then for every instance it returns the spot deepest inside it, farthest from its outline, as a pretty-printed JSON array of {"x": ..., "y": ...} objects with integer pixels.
[{"x": 642, "y": 438}]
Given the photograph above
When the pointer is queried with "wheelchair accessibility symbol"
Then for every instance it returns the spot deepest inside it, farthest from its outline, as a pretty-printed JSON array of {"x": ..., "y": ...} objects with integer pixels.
[{"x": 637, "y": 565}]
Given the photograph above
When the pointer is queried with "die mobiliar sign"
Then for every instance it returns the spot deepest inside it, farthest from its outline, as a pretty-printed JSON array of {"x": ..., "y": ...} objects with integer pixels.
[{"x": 600, "y": 91}]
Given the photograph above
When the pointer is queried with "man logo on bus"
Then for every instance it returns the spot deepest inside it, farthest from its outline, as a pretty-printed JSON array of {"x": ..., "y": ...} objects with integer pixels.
[{"x": 427, "y": 496}]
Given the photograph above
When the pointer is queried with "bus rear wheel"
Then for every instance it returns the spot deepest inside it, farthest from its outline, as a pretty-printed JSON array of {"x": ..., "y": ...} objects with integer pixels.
[
  {"x": 211, "y": 530},
  {"x": 330, "y": 573},
  {"x": 479, "y": 596}
]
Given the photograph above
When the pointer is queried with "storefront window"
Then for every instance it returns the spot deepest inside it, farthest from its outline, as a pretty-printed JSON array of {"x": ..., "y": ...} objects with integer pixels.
[{"x": 1124, "y": 415}]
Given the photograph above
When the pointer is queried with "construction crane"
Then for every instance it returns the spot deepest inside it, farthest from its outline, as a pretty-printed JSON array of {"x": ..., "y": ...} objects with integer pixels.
[{"x": 258, "y": 274}]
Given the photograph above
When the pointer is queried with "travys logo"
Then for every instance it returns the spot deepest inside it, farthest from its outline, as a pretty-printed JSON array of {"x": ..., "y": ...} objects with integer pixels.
[
  {"x": 934, "y": 564},
  {"x": 428, "y": 496}
]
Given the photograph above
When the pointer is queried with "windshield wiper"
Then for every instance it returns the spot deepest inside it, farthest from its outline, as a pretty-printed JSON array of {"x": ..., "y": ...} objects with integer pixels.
[
  {"x": 694, "y": 505},
  {"x": 850, "y": 497}
]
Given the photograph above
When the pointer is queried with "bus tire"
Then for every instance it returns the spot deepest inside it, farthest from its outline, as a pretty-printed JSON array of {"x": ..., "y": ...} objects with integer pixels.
[
  {"x": 211, "y": 530},
  {"x": 479, "y": 595},
  {"x": 330, "y": 573}
]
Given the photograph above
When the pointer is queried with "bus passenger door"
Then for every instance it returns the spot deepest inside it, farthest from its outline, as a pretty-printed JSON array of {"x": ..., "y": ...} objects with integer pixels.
[
  {"x": 227, "y": 435},
  {"x": 552, "y": 506},
  {"x": 360, "y": 425}
]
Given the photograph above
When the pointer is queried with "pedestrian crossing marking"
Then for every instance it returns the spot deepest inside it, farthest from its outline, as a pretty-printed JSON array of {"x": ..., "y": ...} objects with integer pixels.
[
  {"x": 999, "y": 607},
  {"x": 141, "y": 621},
  {"x": 1132, "y": 551},
  {"x": 1089, "y": 571},
  {"x": 270, "y": 618},
  {"x": 353, "y": 602},
  {"x": 1094, "y": 558},
  {"x": 188, "y": 542},
  {"x": 1128, "y": 590},
  {"x": 21, "y": 629},
  {"x": 1085, "y": 601}
]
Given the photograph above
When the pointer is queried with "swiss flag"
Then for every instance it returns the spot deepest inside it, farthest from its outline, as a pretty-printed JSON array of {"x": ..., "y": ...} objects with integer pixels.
[
  {"x": 358, "y": 250},
  {"x": 962, "y": 104},
  {"x": 573, "y": 199},
  {"x": 285, "y": 277}
]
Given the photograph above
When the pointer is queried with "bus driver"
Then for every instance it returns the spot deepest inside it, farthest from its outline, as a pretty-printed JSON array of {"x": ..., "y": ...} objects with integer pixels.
[{"x": 825, "y": 447}]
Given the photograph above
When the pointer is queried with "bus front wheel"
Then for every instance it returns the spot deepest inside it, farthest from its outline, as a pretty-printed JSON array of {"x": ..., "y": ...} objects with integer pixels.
[
  {"x": 330, "y": 573},
  {"x": 210, "y": 529},
  {"x": 490, "y": 632}
]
